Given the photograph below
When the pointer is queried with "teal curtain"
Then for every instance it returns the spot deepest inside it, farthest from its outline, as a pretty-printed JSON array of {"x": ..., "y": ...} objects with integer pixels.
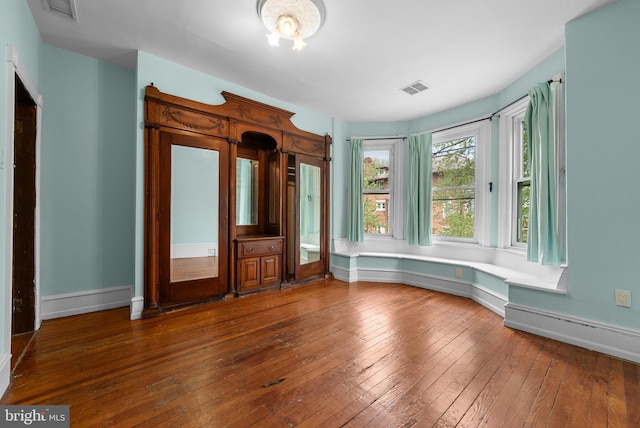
[
  {"x": 419, "y": 190},
  {"x": 542, "y": 240},
  {"x": 355, "y": 212}
]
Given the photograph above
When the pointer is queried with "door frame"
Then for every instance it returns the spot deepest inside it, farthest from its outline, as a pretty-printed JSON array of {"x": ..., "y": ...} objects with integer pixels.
[{"x": 16, "y": 69}]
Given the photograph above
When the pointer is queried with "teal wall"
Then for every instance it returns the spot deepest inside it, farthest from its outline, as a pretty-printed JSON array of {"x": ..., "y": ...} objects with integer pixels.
[
  {"x": 88, "y": 159},
  {"x": 339, "y": 185},
  {"x": 603, "y": 148},
  {"x": 18, "y": 28}
]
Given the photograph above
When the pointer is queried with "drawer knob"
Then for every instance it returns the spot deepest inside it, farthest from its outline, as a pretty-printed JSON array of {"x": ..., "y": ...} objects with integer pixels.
[
  {"x": 272, "y": 248},
  {"x": 249, "y": 249}
]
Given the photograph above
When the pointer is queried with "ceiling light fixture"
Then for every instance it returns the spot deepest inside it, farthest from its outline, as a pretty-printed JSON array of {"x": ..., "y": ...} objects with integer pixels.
[{"x": 291, "y": 19}]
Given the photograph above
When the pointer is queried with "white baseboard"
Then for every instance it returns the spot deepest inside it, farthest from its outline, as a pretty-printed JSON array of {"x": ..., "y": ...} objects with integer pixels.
[
  {"x": 63, "y": 305},
  {"x": 487, "y": 298},
  {"x": 185, "y": 251},
  {"x": 608, "y": 339},
  {"x": 343, "y": 274},
  {"x": 601, "y": 337},
  {"x": 137, "y": 305},
  {"x": 5, "y": 372},
  {"x": 379, "y": 275}
]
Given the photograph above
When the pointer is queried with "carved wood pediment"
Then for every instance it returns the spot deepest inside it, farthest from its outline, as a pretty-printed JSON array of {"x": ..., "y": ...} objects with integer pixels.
[{"x": 227, "y": 120}]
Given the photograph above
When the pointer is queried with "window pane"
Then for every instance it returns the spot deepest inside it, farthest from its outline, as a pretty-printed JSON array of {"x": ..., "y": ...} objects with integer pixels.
[
  {"x": 454, "y": 172},
  {"x": 376, "y": 188},
  {"x": 453, "y": 213},
  {"x": 524, "y": 202},
  {"x": 454, "y": 162},
  {"x": 525, "y": 151}
]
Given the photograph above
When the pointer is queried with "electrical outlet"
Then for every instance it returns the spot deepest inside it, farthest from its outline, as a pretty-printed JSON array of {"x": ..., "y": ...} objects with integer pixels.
[
  {"x": 623, "y": 298},
  {"x": 458, "y": 272}
]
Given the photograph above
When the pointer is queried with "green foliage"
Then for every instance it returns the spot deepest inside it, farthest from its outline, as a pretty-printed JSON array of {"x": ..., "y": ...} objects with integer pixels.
[
  {"x": 371, "y": 172},
  {"x": 526, "y": 164},
  {"x": 375, "y": 182},
  {"x": 524, "y": 204},
  {"x": 524, "y": 189},
  {"x": 454, "y": 166},
  {"x": 371, "y": 219}
]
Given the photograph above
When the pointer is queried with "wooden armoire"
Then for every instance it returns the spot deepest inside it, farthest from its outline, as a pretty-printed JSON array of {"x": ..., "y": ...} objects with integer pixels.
[{"x": 236, "y": 200}]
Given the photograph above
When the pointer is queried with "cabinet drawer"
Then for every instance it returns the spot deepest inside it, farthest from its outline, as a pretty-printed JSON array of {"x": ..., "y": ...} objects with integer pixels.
[{"x": 260, "y": 247}]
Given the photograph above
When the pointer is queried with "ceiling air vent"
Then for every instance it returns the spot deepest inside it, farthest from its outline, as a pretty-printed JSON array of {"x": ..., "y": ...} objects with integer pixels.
[
  {"x": 64, "y": 8},
  {"x": 415, "y": 87}
]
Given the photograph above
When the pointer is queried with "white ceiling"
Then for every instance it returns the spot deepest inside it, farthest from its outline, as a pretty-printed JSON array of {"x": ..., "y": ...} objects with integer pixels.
[{"x": 353, "y": 68}]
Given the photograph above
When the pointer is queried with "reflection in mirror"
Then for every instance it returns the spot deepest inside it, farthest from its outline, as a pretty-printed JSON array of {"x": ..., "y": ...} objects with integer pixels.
[
  {"x": 194, "y": 213},
  {"x": 246, "y": 192},
  {"x": 309, "y": 213}
]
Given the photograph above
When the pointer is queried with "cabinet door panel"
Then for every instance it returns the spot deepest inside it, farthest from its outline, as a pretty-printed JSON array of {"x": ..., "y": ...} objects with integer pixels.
[
  {"x": 249, "y": 273},
  {"x": 270, "y": 269}
]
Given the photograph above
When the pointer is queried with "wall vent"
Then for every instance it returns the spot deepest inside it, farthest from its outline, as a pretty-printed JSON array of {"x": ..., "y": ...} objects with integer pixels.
[
  {"x": 64, "y": 8},
  {"x": 415, "y": 87}
]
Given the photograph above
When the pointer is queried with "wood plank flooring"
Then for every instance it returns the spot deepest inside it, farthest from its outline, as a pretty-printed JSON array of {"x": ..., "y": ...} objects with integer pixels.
[
  {"x": 193, "y": 268},
  {"x": 327, "y": 354}
]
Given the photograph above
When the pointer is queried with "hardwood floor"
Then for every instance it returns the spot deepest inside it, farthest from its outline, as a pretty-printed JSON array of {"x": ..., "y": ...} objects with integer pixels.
[
  {"x": 193, "y": 268},
  {"x": 19, "y": 343},
  {"x": 328, "y": 354}
]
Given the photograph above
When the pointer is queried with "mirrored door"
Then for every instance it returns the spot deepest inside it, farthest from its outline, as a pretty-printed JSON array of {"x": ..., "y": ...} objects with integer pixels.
[
  {"x": 310, "y": 211},
  {"x": 310, "y": 216},
  {"x": 193, "y": 243}
]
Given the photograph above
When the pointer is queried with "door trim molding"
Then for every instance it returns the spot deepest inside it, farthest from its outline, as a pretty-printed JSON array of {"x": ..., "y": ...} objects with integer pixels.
[{"x": 15, "y": 68}]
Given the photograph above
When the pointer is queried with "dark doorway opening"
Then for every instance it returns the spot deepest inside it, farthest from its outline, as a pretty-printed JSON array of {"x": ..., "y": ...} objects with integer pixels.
[{"x": 24, "y": 212}]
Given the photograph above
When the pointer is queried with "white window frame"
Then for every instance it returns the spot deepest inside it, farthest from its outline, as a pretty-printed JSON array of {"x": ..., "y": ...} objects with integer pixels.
[
  {"x": 396, "y": 185},
  {"x": 510, "y": 152},
  {"x": 509, "y": 158},
  {"x": 482, "y": 222}
]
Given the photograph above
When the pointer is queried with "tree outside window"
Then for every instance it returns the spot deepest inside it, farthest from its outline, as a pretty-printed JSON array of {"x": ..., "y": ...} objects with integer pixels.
[
  {"x": 523, "y": 185},
  {"x": 454, "y": 172},
  {"x": 376, "y": 191}
]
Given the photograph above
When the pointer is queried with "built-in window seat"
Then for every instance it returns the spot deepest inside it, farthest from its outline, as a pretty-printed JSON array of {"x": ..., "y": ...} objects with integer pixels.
[{"x": 480, "y": 273}]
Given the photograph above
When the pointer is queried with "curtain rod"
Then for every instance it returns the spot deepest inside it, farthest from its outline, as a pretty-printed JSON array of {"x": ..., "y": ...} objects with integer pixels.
[
  {"x": 379, "y": 138},
  {"x": 490, "y": 117},
  {"x": 456, "y": 126},
  {"x": 550, "y": 81}
]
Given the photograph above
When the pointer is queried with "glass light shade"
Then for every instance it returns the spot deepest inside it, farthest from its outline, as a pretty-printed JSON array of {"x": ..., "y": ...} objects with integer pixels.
[
  {"x": 287, "y": 26},
  {"x": 274, "y": 38},
  {"x": 293, "y": 20},
  {"x": 298, "y": 43}
]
